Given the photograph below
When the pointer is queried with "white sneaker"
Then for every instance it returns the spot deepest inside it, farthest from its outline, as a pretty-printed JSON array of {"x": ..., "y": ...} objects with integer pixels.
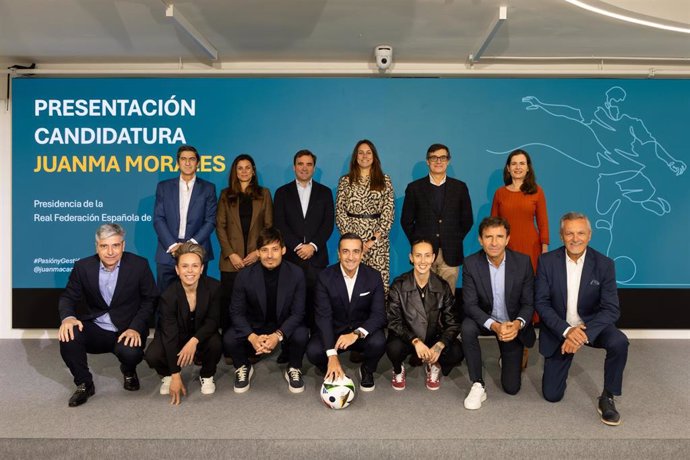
[
  {"x": 208, "y": 386},
  {"x": 476, "y": 397},
  {"x": 165, "y": 385}
]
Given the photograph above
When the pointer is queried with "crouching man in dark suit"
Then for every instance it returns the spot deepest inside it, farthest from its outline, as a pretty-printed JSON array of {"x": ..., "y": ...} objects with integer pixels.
[
  {"x": 349, "y": 314},
  {"x": 498, "y": 299},
  {"x": 118, "y": 292},
  {"x": 267, "y": 308},
  {"x": 577, "y": 300}
]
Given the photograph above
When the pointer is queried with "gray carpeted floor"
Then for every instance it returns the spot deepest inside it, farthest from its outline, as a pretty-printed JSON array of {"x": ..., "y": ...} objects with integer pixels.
[{"x": 270, "y": 422}]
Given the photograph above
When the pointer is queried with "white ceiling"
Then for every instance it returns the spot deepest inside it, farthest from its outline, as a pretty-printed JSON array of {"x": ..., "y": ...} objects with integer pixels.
[{"x": 420, "y": 31}]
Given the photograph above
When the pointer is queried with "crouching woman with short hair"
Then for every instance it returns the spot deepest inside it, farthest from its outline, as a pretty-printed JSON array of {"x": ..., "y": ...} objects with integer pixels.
[{"x": 189, "y": 311}]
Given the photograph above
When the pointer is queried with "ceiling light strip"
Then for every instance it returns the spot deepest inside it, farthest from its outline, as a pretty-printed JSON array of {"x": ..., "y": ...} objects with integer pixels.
[{"x": 622, "y": 17}]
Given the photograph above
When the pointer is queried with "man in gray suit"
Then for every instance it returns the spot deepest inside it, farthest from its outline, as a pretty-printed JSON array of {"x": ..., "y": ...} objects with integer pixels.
[{"x": 498, "y": 297}]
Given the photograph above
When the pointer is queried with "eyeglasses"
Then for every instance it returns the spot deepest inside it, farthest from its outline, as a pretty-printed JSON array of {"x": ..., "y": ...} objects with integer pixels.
[{"x": 438, "y": 158}]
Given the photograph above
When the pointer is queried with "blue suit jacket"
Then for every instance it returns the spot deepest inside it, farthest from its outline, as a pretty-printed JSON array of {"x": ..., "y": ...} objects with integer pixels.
[
  {"x": 133, "y": 300},
  {"x": 201, "y": 216},
  {"x": 335, "y": 314},
  {"x": 478, "y": 297},
  {"x": 248, "y": 305},
  {"x": 315, "y": 228},
  {"x": 597, "y": 302}
]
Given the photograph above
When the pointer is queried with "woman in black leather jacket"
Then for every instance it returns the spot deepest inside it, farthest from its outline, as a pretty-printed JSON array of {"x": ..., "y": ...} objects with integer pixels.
[{"x": 422, "y": 318}]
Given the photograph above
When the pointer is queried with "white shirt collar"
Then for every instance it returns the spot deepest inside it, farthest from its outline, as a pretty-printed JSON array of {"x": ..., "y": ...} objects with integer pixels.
[{"x": 443, "y": 181}]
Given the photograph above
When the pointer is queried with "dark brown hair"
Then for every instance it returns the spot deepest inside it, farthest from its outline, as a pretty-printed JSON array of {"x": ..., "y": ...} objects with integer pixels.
[
  {"x": 493, "y": 221},
  {"x": 234, "y": 187},
  {"x": 376, "y": 181},
  {"x": 529, "y": 185}
]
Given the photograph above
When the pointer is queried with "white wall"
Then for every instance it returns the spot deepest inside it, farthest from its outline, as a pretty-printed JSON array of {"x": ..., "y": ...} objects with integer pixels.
[{"x": 5, "y": 215}]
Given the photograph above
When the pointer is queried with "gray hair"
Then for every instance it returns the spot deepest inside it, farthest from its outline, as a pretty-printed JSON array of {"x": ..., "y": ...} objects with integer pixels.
[
  {"x": 572, "y": 215},
  {"x": 108, "y": 230}
]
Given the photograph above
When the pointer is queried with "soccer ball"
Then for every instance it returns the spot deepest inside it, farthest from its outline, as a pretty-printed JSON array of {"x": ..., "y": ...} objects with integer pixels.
[{"x": 338, "y": 394}]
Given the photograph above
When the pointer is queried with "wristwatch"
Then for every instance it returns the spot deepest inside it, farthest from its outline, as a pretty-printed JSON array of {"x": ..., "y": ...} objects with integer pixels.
[{"x": 358, "y": 333}]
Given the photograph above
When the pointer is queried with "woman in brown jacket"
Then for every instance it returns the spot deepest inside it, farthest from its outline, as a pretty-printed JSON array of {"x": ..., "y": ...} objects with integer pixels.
[{"x": 244, "y": 209}]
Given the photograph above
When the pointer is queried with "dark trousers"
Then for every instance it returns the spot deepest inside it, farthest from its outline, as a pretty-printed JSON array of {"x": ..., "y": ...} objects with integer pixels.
[
  {"x": 208, "y": 352},
  {"x": 511, "y": 356},
  {"x": 372, "y": 348},
  {"x": 227, "y": 282},
  {"x": 93, "y": 339},
  {"x": 398, "y": 350},
  {"x": 310, "y": 276},
  {"x": 556, "y": 367},
  {"x": 240, "y": 349}
]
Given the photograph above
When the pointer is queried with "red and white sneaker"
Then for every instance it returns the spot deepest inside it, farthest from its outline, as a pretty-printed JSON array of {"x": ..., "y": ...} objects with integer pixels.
[
  {"x": 398, "y": 380},
  {"x": 433, "y": 377}
]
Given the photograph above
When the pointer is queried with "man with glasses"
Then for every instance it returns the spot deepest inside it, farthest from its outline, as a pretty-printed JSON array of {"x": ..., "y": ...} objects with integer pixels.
[
  {"x": 185, "y": 210},
  {"x": 438, "y": 208}
]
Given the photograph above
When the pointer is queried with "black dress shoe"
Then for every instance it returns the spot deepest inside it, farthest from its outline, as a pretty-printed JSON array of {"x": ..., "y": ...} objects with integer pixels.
[
  {"x": 608, "y": 412},
  {"x": 131, "y": 381},
  {"x": 82, "y": 394}
]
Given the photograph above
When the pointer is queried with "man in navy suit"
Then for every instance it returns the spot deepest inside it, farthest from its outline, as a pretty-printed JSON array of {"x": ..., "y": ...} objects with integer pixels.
[
  {"x": 438, "y": 208},
  {"x": 185, "y": 210},
  {"x": 303, "y": 212},
  {"x": 577, "y": 300},
  {"x": 267, "y": 308},
  {"x": 117, "y": 292},
  {"x": 349, "y": 314},
  {"x": 498, "y": 298}
]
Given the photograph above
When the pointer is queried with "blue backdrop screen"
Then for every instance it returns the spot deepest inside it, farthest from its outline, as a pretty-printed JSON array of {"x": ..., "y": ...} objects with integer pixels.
[{"x": 87, "y": 151}]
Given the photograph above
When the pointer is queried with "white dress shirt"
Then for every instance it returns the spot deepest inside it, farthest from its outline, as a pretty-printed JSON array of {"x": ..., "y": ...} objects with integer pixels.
[
  {"x": 574, "y": 275},
  {"x": 186, "y": 189}
]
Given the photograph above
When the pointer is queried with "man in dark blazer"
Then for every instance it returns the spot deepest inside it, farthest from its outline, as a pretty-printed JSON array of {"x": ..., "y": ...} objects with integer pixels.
[
  {"x": 349, "y": 314},
  {"x": 498, "y": 299},
  {"x": 116, "y": 293},
  {"x": 577, "y": 301},
  {"x": 185, "y": 210},
  {"x": 438, "y": 207},
  {"x": 267, "y": 308},
  {"x": 303, "y": 212}
]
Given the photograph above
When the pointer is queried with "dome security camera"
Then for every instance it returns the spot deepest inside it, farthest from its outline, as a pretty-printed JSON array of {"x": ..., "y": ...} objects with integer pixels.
[{"x": 384, "y": 56}]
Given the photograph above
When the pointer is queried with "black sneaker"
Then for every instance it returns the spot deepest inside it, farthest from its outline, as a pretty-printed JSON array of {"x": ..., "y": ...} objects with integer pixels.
[
  {"x": 608, "y": 412},
  {"x": 294, "y": 380},
  {"x": 82, "y": 394},
  {"x": 366, "y": 379},
  {"x": 243, "y": 377}
]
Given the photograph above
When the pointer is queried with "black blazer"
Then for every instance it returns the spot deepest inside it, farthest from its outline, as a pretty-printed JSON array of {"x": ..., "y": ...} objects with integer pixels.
[
  {"x": 248, "y": 305},
  {"x": 597, "y": 301},
  {"x": 174, "y": 316},
  {"x": 315, "y": 228},
  {"x": 410, "y": 317},
  {"x": 478, "y": 297},
  {"x": 335, "y": 314},
  {"x": 133, "y": 300},
  {"x": 419, "y": 220}
]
